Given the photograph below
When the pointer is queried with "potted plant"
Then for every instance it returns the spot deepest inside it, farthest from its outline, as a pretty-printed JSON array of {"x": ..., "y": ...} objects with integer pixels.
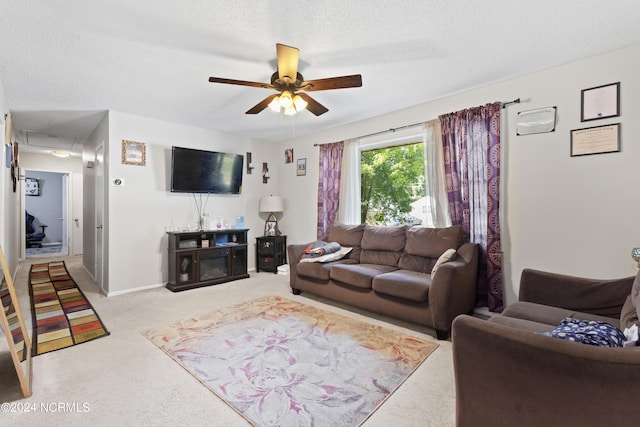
[{"x": 184, "y": 269}]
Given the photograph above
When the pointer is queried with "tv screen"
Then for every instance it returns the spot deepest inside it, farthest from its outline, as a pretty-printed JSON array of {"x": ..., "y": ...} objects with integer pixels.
[{"x": 200, "y": 171}]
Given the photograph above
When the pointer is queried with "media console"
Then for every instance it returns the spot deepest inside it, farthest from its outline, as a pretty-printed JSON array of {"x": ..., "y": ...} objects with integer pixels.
[{"x": 203, "y": 258}]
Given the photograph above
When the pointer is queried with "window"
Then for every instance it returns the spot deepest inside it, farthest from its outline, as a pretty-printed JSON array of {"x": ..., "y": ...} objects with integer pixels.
[{"x": 392, "y": 185}]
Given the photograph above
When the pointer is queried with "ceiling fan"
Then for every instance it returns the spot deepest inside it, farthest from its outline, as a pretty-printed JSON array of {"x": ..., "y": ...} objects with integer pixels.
[{"x": 291, "y": 86}]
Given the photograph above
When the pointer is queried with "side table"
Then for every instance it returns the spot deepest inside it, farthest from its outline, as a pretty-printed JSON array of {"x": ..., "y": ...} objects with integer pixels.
[{"x": 271, "y": 252}]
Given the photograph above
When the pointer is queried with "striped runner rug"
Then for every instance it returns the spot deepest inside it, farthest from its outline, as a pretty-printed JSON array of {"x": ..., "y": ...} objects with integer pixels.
[{"x": 62, "y": 315}]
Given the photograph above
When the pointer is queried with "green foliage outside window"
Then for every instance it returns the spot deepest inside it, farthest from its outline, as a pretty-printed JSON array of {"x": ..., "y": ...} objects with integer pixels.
[{"x": 391, "y": 180}]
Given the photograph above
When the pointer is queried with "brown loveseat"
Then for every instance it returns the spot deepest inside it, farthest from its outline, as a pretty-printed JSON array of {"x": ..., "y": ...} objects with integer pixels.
[
  {"x": 507, "y": 375},
  {"x": 389, "y": 272}
]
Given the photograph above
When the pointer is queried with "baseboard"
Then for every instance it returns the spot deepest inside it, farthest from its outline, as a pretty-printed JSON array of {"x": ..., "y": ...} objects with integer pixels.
[{"x": 141, "y": 288}]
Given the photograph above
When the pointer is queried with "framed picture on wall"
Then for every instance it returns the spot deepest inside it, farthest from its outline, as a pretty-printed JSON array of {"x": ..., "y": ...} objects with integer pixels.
[
  {"x": 288, "y": 155},
  {"x": 134, "y": 153},
  {"x": 595, "y": 140},
  {"x": 301, "y": 169},
  {"x": 32, "y": 186},
  {"x": 600, "y": 102}
]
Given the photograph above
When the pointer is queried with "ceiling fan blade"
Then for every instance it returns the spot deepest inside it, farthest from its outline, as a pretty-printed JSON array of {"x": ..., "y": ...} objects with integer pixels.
[
  {"x": 343, "y": 82},
  {"x": 261, "y": 105},
  {"x": 239, "y": 82},
  {"x": 287, "y": 62},
  {"x": 312, "y": 105}
]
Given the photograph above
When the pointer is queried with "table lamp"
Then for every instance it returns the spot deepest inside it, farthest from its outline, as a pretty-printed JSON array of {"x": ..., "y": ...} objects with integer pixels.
[
  {"x": 271, "y": 204},
  {"x": 635, "y": 254}
]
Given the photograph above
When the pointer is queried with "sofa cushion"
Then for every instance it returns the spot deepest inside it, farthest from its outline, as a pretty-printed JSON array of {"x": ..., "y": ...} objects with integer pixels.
[
  {"x": 432, "y": 242},
  {"x": 550, "y": 315},
  {"x": 416, "y": 263},
  {"x": 521, "y": 324},
  {"x": 382, "y": 245},
  {"x": 319, "y": 271},
  {"x": 347, "y": 235},
  {"x": 406, "y": 284},
  {"x": 358, "y": 275},
  {"x": 425, "y": 245},
  {"x": 588, "y": 332}
]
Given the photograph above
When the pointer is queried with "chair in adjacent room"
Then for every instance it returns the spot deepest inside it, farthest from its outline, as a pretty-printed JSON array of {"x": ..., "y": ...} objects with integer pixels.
[{"x": 34, "y": 240}]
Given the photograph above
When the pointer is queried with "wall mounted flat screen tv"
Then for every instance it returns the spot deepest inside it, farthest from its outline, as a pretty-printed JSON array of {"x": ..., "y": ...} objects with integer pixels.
[{"x": 200, "y": 171}]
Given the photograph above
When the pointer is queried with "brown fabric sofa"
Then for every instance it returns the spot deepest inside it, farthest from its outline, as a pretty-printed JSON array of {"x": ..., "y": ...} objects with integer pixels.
[
  {"x": 389, "y": 272},
  {"x": 507, "y": 375}
]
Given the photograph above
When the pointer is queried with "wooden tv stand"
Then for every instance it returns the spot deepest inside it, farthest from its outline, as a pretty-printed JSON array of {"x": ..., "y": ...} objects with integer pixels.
[{"x": 204, "y": 258}]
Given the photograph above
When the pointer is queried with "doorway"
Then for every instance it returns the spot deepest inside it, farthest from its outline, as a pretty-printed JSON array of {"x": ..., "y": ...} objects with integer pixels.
[
  {"x": 99, "y": 218},
  {"x": 46, "y": 197}
]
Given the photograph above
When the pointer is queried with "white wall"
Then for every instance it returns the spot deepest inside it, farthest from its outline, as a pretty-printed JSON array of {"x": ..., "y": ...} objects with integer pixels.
[
  {"x": 143, "y": 209},
  {"x": 9, "y": 201},
  {"x": 573, "y": 215}
]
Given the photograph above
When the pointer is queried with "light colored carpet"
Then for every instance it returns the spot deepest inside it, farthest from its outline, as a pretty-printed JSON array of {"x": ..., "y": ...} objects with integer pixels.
[
  {"x": 124, "y": 379},
  {"x": 46, "y": 251}
]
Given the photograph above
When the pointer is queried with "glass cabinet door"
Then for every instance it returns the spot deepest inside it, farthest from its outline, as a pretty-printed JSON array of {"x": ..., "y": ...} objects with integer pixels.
[
  {"x": 239, "y": 261},
  {"x": 186, "y": 267}
]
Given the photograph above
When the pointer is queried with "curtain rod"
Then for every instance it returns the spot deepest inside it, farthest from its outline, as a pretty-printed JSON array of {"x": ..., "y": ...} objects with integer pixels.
[
  {"x": 379, "y": 133},
  {"x": 504, "y": 105},
  {"x": 515, "y": 101}
]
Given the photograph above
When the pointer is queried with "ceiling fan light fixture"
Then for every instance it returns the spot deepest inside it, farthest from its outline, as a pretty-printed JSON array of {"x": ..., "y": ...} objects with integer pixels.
[
  {"x": 300, "y": 103},
  {"x": 275, "y": 104},
  {"x": 290, "y": 111},
  {"x": 286, "y": 100},
  {"x": 289, "y": 84}
]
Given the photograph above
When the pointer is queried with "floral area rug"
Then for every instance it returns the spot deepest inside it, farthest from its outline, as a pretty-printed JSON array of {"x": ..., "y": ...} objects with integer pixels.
[{"x": 282, "y": 363}]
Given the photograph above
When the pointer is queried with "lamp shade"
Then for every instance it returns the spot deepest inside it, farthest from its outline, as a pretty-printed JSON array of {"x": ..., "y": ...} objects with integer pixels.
[{"x": 271, "y": 204}]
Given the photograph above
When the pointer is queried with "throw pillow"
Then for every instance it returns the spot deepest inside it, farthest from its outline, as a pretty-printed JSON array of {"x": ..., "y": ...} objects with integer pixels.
[
  {"x": 628, "y": 314},
  {"x": 446, "y": 256},
  {"x": 588, "y": 332}
]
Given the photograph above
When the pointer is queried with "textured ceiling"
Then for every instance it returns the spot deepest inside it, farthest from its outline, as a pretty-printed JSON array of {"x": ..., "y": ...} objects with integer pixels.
[{"x": 63, "y": 63}]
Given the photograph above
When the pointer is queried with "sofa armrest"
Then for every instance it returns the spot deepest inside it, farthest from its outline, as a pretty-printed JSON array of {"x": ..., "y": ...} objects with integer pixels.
[
  {"x": 294, "y": 254},
  {"x": 594, "y": 296},
  {"x": 525, "y": 379},
  {"x": 454, "y": 288}
]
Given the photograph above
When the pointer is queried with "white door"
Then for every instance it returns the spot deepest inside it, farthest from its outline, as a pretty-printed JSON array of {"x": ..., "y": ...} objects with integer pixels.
[
  {"x": 65, "y": 214},
  {"x": 99, "y": 206}
]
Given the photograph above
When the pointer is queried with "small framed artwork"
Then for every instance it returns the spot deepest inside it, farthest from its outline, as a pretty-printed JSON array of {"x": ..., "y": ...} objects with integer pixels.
[
  {"x": 134, "y": 153},
  {"x": 600, "y": 102},
  {"x": 541, "y": 120},
  {"x": 8, "y": 155},
  {"x": 595, "y": 140},
  {"x": 15, "y": 155},
  {"x": 14, "y": 178},
  {"x": 301, "y": 169},
  {"x": 288, "y": 155},
  {"x": 32, "y": 186},
  {"x": 270, "y": 228}
]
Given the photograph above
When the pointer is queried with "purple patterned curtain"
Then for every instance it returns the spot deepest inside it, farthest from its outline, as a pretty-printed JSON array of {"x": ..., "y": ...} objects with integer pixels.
[
  {"x": 471, "y": 143},
  {"x": 329, "y": 185}
]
